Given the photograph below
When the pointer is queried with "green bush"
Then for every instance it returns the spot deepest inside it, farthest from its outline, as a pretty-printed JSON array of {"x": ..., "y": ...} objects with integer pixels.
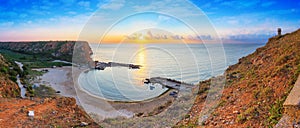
[
  {"x": 13, "y": 78},
  {"x": 241, "y": 118},
  {"x": 276, "y": 112},
  {"x": 23, "y": 58},
  {"x": 4, "y": 70}
]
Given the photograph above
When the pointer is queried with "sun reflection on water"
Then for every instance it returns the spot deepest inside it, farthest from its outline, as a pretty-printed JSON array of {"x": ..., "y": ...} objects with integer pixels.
[{"x": 140, "y": 59}]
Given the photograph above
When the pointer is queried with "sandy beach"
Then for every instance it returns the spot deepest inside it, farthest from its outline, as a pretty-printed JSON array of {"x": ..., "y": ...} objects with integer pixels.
[
  {"x": 59, "y": 79},
  {"x": 64, "y": 79}
]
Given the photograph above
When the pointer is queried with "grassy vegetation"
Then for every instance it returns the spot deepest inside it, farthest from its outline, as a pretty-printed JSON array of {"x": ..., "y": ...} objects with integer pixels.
[
  {"x": 38, "y": 48},
  {"x": 22, "y": 57},
  {"x": 295, "y": 76},
  {"x": 276, "y": 112},
  {"x": 11, "y": 71},
  {"x": 31, "y": 60},
  {"x": 44, "y": 91},
  {"x": 189, "y": 125},
  {"x": 248, "y": 114}
]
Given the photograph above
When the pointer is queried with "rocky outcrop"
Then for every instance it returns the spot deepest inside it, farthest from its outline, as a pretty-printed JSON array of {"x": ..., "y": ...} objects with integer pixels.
[{"x": 62, "y": 50}]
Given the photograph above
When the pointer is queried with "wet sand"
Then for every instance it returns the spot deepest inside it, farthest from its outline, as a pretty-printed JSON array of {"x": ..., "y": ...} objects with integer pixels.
[{"x": 64, "y": 79}]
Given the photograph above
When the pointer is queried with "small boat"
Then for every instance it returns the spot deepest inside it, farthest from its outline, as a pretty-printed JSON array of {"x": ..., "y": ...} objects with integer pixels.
[
  {"x": 174, "y": 94},
  {"x": 147, "y": 81},
  {"x": 152, "y": 87}
]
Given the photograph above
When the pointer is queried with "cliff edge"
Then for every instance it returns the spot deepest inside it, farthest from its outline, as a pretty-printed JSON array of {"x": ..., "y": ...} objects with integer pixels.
[{"x": 62, "y": 50}]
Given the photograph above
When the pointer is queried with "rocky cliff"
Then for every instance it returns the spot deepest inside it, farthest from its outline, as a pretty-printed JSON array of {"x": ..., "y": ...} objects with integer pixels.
[
  {"x": 62, "y": 50},
  {"x": 256, "y": 87}
]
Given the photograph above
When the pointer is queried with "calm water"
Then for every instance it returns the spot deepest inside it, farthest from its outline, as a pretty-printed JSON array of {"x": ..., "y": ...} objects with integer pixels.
[{"x": 189, "y": 63}]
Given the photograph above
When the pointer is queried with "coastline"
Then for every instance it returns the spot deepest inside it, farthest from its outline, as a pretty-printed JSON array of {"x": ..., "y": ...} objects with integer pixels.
[
  {"x": 59, "y": 79},
  {"x": 64, "y": 79}
]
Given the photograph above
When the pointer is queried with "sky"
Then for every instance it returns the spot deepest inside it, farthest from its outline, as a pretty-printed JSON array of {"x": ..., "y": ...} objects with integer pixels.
[{"x": 112, "y": 20}]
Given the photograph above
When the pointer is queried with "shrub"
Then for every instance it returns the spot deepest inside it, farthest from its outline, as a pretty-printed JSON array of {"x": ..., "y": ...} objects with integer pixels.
[
  {"x": 4, "y": 70},
  {"x": 13, "y": 78},
  {"x": 241, "y": 118},
  {"x": 276, "y": 112}
]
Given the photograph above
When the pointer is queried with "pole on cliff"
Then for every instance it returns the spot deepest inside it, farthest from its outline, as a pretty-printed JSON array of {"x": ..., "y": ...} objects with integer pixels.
[{"x": 279, "y": 31}]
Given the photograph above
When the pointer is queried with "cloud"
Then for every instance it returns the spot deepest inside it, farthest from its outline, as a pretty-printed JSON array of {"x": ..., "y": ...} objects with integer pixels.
[
  {"x": 12, "y": 2},
  {"x": 54, "y": 28},
  {"x": 23, "y": 15},
  {"x": 72, "y": 12},
  {"x": 78, "y": 20},
  {"x": 143, "y": 24},
  {"x": 39, "y": 12},
  {"x": 243, "y": 19},
  {"x": 240, "y": 3},
  {"x": 8, "y": 14},
  {"x": 233, "y": 21},
  {"x": 7, "y": 24},
  {"x": 207, "y": 5},
  {"x": 112, "y": 4},
  {"x": 255, "y": 18},
  {"x": 46, "y": 4},
  {"x": 264, "y": 29},
  {"x": 255, "y": 23},
  {"x": 169, "y": 6},
  {"x": 162, "y": 18},
  {"x": 217, "y": 1},
  {"x": 268, "y": 4},
  {"x": 67, "y": 2},
  {"x": 85, "y": 4},
  {"x": 44, "y": 7},
  {"x": 281, "y": 12}
]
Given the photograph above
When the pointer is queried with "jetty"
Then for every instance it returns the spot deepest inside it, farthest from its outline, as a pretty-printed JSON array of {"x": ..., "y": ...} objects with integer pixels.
[
  {"x": 169, "y": 83},
  {"x": 103, "y": 65}
]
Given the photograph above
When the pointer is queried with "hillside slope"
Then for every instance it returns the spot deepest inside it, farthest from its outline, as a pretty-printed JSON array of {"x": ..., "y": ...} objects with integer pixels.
[
  {"x": 48, "y": 112},
  {"x": 62, "y": 50},
  {"x": 8, "y": 88},
  {"x": 256, "y": 86}
]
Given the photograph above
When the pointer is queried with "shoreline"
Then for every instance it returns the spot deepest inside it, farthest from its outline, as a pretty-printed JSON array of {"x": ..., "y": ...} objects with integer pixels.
[
  {"x": 115, "y": 101},
  {"x": 65, "y": 80}
]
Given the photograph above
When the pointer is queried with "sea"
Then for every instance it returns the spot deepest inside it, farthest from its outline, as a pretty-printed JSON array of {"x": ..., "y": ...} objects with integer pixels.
[{"x": 189, "y": 63}]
